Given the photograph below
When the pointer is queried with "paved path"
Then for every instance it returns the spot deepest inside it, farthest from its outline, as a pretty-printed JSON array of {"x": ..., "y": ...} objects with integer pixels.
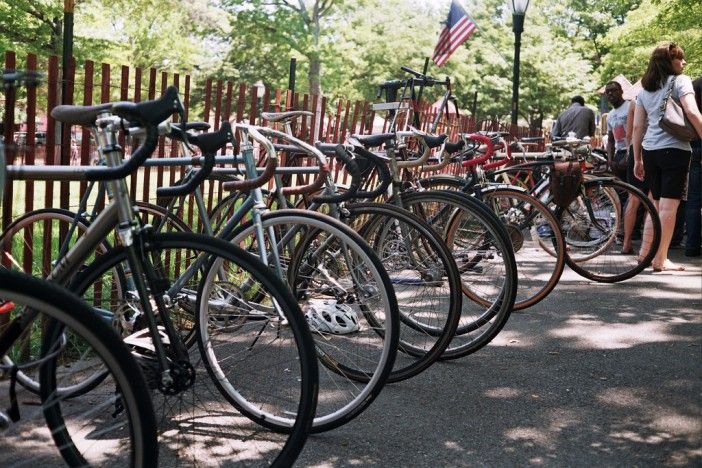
[{"x": 595, "y": 375}]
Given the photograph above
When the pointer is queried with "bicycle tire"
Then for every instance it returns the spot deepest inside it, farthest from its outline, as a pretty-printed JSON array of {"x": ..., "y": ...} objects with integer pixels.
[
  {"x": 580, "y": 245},
  {"x": 481, "y": 246},
  {"x": 610, "y": 266},
  {"x": 521, "y": 223},
  {"x": 530, "y": 224},
  {"x": 291, "y": 391},
  {"x": 78, "y": 427},
  {"x": 354, "y": 366},
  {"x": 425, "y": 277},
  {"x": 22, "y": 248}
]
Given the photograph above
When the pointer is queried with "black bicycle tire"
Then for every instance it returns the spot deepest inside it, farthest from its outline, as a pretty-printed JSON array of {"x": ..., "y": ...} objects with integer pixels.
[
  {"x": 501, "y": 309},
  {"x": 328, "y": 422},
  {"x": 64, "y": 308},
  {"x": 641, "y": 264},
  {"x": 424, "y": 357},
  {"x": 21, "y": 223},
  {"x": 308, "y": 382}
]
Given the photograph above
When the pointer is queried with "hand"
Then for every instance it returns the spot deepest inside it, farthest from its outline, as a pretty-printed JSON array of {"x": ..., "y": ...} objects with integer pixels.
[{"x": 639, "y": 170}]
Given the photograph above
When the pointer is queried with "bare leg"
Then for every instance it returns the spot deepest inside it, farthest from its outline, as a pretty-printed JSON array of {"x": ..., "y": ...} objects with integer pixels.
[{"x": 667, "y": 210}]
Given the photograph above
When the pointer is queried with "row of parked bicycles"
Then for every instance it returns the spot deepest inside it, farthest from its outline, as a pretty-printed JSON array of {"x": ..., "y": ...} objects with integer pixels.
[{"x": 175, "y": 333}]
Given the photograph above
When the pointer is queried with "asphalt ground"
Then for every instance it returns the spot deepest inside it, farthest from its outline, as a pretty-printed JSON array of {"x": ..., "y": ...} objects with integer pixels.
[{"x": 594, "y": 375}]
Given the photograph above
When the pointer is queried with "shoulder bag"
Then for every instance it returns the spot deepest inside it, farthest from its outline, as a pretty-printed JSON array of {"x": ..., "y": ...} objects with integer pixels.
[{"x": 673, "y": 119}]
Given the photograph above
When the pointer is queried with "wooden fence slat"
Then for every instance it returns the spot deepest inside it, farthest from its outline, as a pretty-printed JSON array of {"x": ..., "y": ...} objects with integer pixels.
[
  {"x": 28, "y": 254},
  {"x": 66, "y": 136},
  {"x": 88, "y": 73},
  {"x": 218, "y": 105}
]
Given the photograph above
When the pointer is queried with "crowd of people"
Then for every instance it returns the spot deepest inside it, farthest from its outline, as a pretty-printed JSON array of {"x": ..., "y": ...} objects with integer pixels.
[{"x": 644, "y": 154}]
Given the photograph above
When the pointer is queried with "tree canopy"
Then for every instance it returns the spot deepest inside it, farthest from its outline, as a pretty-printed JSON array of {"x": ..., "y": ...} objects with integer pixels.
[{"x": 345, "y": 48}]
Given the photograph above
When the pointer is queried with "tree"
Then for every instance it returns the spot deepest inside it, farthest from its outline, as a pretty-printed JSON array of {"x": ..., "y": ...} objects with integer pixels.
[
  {"x": 303, "y": 26},
  {"x": 630, "y": 44},
  {"x": 31, "y": 26}
]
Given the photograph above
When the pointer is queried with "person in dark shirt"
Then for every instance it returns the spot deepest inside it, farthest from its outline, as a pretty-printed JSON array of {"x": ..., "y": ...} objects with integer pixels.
[{"x": 577, "y": 118}]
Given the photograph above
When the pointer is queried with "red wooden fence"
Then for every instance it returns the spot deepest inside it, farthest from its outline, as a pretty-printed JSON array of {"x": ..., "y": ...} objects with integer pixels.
[{"x": 218, "y": 100}]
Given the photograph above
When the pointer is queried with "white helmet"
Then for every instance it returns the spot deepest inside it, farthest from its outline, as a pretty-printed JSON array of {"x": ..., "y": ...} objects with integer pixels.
[{"x": 327, "y": 316}]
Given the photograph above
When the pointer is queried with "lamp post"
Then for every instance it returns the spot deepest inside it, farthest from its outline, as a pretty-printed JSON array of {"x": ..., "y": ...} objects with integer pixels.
[{"x": 519, "y": 8}]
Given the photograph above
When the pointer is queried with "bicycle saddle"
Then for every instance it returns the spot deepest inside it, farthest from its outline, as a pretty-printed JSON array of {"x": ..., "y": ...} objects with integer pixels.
[
  {"x": 80, "y": 115},
  {"x": 284, "y": 116},
  {"x": 370, "y": 141},
  {"x": 454, "y": 147}
]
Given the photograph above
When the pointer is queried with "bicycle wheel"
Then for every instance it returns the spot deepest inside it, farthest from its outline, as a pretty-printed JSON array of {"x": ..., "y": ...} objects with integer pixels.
[
  {"x": 530, "y": 224},
  {"x": 113, "y": 424},
  {"x": 253, "y": 366},
  {"x": 591, "y": 222},
  {"x": 32, "y": 244},
  {"x": 485, "y": 258},
  {"x": 161, "y": 219},
  {"x": 596, "y": 225},
  {"x": 533, "y": 230},
  {"x": 347, "y": 298},
  {"x": 425, "y": 278}
]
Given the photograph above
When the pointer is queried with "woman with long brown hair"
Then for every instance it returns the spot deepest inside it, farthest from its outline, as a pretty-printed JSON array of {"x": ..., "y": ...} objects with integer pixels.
[{"x": 659, "y": 157}]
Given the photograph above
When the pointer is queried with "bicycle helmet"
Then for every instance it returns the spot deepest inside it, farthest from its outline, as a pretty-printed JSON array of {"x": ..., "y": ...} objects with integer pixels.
[{"x": 328, "y": 316}]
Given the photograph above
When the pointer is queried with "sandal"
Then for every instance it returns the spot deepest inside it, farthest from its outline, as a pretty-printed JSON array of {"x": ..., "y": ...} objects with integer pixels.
[{"x": 627, "y": 252}]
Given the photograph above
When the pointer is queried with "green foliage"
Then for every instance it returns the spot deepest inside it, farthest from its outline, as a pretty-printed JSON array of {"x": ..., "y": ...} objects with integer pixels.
[
  {"x": 654, "y": 21},
  {"x": 31, "y": 26},
  {"x": 346, "y": 48}
]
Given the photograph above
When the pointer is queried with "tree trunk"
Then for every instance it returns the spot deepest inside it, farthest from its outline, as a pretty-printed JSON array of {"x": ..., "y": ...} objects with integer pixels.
[{"x": 314, "y": 75}]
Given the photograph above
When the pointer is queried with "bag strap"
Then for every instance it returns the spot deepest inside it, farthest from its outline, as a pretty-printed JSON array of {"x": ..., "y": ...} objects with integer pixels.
[{"x": 664, "y": 102}]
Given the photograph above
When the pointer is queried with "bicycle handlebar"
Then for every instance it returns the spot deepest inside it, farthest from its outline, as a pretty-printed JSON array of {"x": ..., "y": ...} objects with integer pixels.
[
  {"x": 148, "y": 114},
  {"x": 425, "y": 154},
  {"x": 208, "y": 143},
  {"x": 383, "y": 173},
  {"x": 355, "y": 172},
  {"x": 488, "y": 152}
]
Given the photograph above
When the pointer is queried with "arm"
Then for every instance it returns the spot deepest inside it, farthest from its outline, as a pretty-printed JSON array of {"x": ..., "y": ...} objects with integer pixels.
[
  {"x": 556, "y": 132},
  {"x": 630, "y": 122},
  {"x": 610, "y": 147},
  {"x": 591, "y": 124},
  {"x": 693, "y": 114},
  {"x": 639, "y": 126}
]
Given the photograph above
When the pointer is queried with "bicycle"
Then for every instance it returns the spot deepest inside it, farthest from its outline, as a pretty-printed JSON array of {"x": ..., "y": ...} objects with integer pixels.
[
  {"x": 479, "y": 242},
  {"x": 423, "y": 274},
  {"x": 530, "y": 223},
  {"x": 592, "y": 224},
  {"x": 169, "y": 271},
  {"x": 74, "y": 428}
]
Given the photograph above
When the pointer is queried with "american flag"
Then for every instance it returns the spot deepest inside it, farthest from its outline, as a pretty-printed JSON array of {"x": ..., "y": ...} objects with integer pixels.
[{"x": 459, "y": 27}]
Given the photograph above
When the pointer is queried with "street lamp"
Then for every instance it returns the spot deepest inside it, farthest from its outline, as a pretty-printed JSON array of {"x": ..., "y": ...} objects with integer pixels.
[{"x": 519, "y": 8}]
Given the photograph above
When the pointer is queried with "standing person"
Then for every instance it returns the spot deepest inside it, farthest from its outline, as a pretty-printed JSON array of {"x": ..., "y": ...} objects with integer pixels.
[
  {"x": 631, "y": 221},
  {"x": 617, "y": 138},
  {"x": 577, "y": 119},
  {"x": 693, "y": 216},
  {"x": 661, "y": 159}
]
